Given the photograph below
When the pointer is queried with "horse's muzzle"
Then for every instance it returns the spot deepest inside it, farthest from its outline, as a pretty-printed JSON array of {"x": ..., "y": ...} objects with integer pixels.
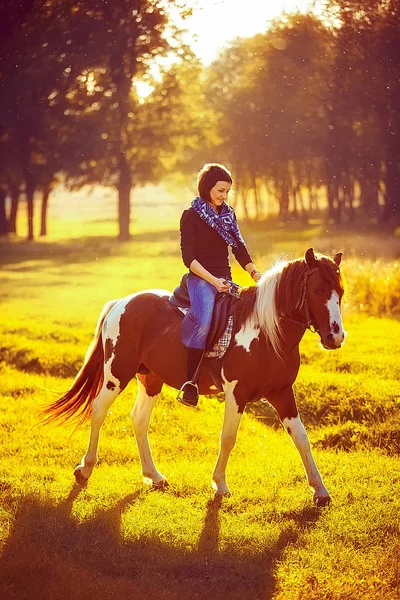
[{"x": 333, "y": 341}]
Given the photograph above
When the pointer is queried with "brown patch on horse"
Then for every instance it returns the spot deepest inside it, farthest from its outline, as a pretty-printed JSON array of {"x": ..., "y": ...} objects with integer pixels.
[
  {"x": 246, "y": 305},
  {"x": 108, "y": 349},
  {"x": 151, "y": 383},
  {"x": 110, "y": 385}
]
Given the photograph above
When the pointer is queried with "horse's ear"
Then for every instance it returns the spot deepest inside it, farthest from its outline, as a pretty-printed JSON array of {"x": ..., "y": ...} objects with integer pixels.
[
  {"x": 310, "y": 258},
  {"x": 338, "y": 258}
]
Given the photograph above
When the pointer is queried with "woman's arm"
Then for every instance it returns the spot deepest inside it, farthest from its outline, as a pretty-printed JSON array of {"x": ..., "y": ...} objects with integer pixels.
[
  {"x": 251, "y": 269},
  {"x": 243, "y": 257},
  {"x": 199, "y": 270}
]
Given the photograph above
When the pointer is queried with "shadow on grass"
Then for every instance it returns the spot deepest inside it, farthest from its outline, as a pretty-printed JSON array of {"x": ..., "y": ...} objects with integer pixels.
[
  {"x": 82, "y": 249},
  {"x": 49, "y": 555}
]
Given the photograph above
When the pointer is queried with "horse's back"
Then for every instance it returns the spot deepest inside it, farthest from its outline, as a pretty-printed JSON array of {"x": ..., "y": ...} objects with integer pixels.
[{"x": 141, "y": 309}]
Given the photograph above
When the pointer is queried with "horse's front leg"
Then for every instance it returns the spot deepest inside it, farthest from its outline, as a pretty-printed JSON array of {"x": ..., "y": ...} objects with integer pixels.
[
  {"x": 229, "y": 431},
  {"x": 285, "y": 404},
  {"x": 141, "y": 415}
]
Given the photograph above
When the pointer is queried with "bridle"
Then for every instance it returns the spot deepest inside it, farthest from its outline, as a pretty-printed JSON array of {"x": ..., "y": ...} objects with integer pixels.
[{"x": 302, "y": 303}]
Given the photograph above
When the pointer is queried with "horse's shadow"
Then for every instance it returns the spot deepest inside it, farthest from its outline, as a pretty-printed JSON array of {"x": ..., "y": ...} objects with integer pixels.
[{"x": 49, "y": 555}]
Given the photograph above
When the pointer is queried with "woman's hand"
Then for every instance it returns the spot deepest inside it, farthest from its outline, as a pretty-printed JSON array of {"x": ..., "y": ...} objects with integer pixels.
[
  {"x": 220, "y": 284},
  {"x": 257, "y": 276}
]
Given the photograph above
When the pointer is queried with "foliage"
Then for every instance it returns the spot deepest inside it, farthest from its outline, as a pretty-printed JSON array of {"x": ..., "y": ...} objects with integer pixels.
[
  {"x": 304, "y": 114},
  {"x": 306, "y": 105},
  {"x": 75, "y": 63}
]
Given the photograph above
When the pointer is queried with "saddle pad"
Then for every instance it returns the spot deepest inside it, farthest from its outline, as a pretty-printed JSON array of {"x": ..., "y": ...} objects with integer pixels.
[{"x": 222, "y": 345}]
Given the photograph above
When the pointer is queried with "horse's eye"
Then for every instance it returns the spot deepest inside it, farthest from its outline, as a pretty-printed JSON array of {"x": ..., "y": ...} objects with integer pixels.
[{"x": 316, "y": 292}]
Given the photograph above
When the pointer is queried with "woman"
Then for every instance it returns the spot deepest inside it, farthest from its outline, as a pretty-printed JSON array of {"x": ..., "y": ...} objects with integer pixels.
[{"x": 207, "y": 228}]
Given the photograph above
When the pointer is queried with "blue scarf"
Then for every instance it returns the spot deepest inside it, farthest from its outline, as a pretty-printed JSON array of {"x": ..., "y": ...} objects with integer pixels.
[{"x": 224, "y": 223}]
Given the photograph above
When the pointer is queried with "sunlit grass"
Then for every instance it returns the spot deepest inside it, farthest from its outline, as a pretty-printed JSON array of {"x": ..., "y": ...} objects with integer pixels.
[{"x": 115, "y": 539}]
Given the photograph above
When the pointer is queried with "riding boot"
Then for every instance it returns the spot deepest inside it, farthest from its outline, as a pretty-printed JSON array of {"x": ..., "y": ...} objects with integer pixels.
[{"x": 190, "y": 390}]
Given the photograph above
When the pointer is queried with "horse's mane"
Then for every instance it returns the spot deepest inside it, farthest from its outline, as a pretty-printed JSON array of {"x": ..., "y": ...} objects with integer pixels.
[{"x": 278, "y": 291}]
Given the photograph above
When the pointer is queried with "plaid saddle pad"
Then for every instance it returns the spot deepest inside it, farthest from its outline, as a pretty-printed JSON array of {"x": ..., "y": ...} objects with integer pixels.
[{"x": 222, "y": 345}]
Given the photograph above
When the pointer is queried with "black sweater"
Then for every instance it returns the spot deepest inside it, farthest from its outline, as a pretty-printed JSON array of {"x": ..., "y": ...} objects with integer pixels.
[{"x": 199, "y": 241}]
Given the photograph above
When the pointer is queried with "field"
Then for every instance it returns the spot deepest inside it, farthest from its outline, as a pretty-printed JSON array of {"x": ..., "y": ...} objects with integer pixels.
[{"x": 115, "y": 538}]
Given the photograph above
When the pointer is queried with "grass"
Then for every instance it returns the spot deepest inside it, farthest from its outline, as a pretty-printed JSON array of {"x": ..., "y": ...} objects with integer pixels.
[{"x": 115, "y": 538}]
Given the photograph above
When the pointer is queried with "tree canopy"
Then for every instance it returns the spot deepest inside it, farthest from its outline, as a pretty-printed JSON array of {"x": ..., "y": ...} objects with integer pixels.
[{"x": 307, "y": 110}]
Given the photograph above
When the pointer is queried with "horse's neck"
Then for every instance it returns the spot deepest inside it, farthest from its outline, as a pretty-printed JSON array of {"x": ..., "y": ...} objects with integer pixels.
[
  {"x": 245, "y": 307},
  {"x": 292, "y": 332},
  {"x": 289, "y": 290}
]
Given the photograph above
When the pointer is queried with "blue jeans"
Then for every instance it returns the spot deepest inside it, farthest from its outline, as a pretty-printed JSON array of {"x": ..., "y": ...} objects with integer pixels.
[{"x": 202, "y": 295}]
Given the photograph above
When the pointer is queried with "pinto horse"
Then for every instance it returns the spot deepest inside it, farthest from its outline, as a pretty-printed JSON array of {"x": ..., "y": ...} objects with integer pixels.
[{"x": 139, "y": 336}]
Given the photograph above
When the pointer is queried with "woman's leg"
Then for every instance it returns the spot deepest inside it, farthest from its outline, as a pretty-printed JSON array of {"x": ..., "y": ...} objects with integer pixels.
[{"x": 202, "y": 295}]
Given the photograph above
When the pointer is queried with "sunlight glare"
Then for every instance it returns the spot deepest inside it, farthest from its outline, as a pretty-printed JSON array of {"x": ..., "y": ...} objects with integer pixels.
[{"x": 216, "y": 22}]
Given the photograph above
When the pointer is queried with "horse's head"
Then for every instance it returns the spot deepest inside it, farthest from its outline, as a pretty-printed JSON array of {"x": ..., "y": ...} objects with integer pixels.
[{"x": 324, "y": 288}]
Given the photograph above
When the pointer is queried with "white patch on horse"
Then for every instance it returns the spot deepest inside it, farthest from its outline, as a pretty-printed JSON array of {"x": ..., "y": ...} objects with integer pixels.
[
  {"x": 335, "y": 318},
  {"x": 295, "y": 429},
  {"x": 229, "y": 387},
  {"x": 156, "y": 291},
  {"x": 112, "y": 321},
  {"x": 246, "y": 334}
]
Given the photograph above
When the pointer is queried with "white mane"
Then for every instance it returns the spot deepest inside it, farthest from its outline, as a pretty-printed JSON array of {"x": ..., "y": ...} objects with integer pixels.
[{"x": 265, "y": 311}]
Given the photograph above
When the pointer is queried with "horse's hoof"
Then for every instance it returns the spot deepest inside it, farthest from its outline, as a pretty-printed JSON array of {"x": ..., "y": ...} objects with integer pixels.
[
  {"x": 161, "y": 486},
  {"x": 320, "y": 501},
  {"x": 79, "y": 478},
  {"x": 220, "y": 495}
]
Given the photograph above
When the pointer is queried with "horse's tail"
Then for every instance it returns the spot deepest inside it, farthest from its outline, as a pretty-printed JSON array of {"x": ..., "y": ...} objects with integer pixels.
[{"x": 76, "y": 403}]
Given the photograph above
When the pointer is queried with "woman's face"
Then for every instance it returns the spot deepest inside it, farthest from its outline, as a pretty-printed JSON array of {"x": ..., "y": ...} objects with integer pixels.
[{"x": 219, "y": 193}]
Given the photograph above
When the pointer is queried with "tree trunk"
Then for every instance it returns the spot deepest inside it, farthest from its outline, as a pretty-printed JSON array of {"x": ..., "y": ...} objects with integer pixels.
[
  {"x": 339, "y": 203},
  {"x": 43, "y": 217},
  {"x": 3, "y": 216},
  {"x": 123, "y": 72},
  {"x": 124, "y": 206},
  {"x": 30, "y": 192},
  {"x": 332, "y": 197},
  {"x": 284, "y": 199},
  {"x": 12, "y": 223},
  {"x": 256, "y": 199},
  {"x": 392, "y": 184},
  {"x": 350, "y": 201},
  {"x": 244, "y": 200}
]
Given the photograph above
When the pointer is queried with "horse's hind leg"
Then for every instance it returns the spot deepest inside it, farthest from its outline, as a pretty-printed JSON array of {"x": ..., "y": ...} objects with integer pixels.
[
  {"x": 100, "y": 407},
  {"x": 148, "y": 389}
]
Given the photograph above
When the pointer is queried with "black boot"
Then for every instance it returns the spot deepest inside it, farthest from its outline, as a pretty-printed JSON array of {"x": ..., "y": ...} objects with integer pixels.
[{"x": 190, "y": 390}]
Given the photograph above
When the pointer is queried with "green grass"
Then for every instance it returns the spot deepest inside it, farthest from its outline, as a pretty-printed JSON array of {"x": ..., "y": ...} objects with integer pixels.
[{"x": 115, "y": 538}]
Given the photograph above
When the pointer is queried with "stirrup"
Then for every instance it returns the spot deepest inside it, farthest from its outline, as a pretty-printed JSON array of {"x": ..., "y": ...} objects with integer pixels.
[{"x": 180, "y": 397}]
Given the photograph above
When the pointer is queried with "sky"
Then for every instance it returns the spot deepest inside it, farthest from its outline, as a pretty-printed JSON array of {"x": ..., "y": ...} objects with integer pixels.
[{"x": 215, "y": 22}]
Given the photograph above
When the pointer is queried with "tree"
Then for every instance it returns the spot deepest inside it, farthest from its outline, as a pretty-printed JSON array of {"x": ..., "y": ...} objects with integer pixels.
[
  {"x": 127, "y": 35},
  {"x": 60, "y": 47}
]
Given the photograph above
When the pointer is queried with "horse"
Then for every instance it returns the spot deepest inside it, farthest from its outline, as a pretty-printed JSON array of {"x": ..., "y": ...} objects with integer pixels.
[{"x": 139, "y": 336}]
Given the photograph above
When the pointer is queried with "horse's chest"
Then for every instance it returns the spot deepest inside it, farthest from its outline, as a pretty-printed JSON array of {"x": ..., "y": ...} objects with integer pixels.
[{"x": 253, "y": 362}]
